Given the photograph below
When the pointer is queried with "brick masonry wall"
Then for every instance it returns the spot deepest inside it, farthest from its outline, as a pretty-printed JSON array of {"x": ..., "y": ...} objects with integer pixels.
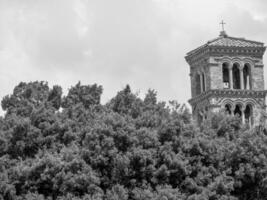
[
  {"x": 216, "y": 81},
  {"x": 257, "y": 78}
]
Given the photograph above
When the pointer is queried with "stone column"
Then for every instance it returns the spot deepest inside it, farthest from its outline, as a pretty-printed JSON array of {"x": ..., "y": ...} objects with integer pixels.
[
  {"x": 241, "y": 77},
  {"x": 250, "y": 121},
  {"x": 243, "y": 115},
  {"x": 248, "y": 83},
  {"x": 232, "y": 111},
  {"x": 230, "y": 70}
]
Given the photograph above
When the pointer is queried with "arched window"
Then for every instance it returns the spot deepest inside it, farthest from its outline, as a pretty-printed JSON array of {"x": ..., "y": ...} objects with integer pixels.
[
  {"x": 198, "y": 84},
  {"x": 248, "y": 115},
  {"x": 203, "y": 82},
  {"x": 226, "y": 80},
  {"x": 228, "y": 109},
  {"x": 238, "y": 111},
  {"x": 247, "y": 76},
  {"x": 236, "y": 76}
]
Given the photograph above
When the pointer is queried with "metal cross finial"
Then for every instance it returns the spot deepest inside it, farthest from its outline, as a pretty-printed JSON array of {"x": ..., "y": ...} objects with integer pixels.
[{"x": 222, "y": 23}]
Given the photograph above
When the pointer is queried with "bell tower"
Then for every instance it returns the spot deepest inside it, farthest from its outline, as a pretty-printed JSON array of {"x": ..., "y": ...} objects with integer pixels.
[{"x": 227, "y": 73}]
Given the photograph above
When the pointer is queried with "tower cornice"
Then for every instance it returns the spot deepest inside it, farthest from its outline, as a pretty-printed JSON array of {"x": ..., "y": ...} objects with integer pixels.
[
  {"x": 219, "y": 51},
  {"x": 226, "y": 45},
  {"x": 228, "y": 93}
]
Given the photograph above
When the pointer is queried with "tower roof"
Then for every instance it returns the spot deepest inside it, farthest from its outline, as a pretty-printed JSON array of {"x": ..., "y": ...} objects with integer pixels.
[
  {"x": 234, "y": 42},
  {"x": 226, "y": 41}
]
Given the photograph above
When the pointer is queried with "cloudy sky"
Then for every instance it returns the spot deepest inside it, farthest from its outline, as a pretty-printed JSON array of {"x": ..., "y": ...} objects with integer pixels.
[{"x": 115, "y": 42}]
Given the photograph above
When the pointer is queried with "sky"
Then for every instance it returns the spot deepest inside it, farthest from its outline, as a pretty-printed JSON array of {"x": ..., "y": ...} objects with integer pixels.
[{"x": 116, "y": 42}]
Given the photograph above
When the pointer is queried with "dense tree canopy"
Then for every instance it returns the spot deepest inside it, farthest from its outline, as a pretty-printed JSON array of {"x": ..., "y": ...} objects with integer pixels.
[{"x": 74, "y": 147}]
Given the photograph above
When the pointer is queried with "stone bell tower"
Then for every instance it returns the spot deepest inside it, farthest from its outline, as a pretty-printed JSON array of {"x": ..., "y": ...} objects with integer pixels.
[{"x": 227, "y": 73}]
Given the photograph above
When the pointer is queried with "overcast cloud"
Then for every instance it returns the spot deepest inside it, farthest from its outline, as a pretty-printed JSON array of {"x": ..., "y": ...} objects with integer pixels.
[{"x": 115, "y": 42}]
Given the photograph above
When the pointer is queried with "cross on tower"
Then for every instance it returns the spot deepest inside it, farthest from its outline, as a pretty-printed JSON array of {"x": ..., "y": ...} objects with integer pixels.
[{"x": 222, "y": 23}]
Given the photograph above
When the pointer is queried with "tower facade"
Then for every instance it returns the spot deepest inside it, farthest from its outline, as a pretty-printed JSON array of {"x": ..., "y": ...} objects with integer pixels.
[{"x": 227, "y": 73}]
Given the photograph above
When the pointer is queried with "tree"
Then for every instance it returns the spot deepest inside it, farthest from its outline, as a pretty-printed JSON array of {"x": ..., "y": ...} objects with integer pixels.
[
  {"x": 87, "y": 95},
  {"x": 73, "y": 147},
  {"x": 27, "y": 97},
  {"x": 125, "y": 102}
]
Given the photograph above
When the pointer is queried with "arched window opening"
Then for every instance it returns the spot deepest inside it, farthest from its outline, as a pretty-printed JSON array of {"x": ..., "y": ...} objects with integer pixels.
[
  {"x": 248, "y": 115},
  {"x": 226, "y": 79},
  {"x": 247, "y": 77},
  {"x": 228, "y": 109},
  {"x": 198, "y": 84},
  {"x": 236, "y": 76},
  {"x": 237, "y": 111},
  {"x": 203, "y": 82}
]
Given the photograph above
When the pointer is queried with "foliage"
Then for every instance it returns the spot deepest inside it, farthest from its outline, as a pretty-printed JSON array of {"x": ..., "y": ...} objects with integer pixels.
[{"x": 74, "y": 147}]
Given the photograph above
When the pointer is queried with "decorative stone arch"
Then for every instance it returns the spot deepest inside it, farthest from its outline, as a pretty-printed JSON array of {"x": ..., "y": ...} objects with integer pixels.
[
  {"x": 237, "y": 61},
  {"x": 239, "y": 102},
  {"x": 250, "y": 103},
  {"x": 228, "y": 101},
  {"x": 226, "y": 59},
  {"x": 253, "y": 102},
  {"x": 249, "y": 61}
]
